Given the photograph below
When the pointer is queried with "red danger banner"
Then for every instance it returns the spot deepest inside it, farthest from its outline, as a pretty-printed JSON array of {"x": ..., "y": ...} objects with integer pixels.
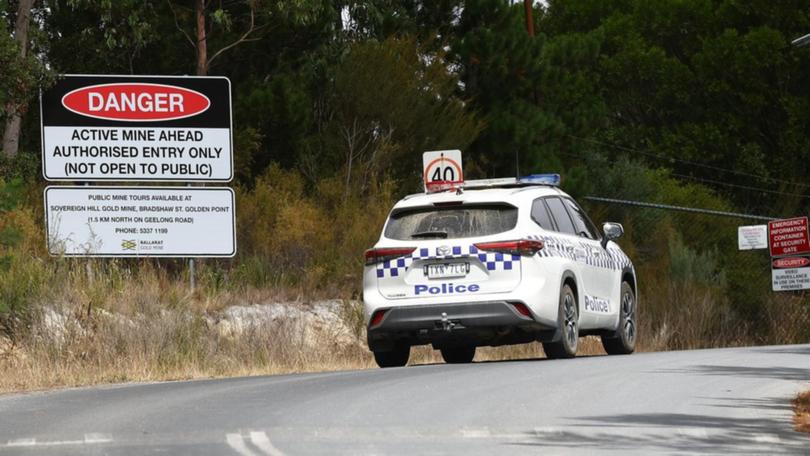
[{"x": 789, "y": 236}]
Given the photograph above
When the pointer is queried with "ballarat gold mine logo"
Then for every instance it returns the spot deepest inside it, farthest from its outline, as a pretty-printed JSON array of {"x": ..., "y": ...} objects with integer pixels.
[
  {"x": 136, "y": 102},
  {"x": 128, "y": 244}
]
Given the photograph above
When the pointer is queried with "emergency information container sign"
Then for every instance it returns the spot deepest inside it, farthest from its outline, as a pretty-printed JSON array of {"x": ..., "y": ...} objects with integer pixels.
[
  {"x": 140, "y": 221},
  {"x": 789, "y": 237},
  {"x": 137, "y": 128},
  {"x": 790, "y": 273}
]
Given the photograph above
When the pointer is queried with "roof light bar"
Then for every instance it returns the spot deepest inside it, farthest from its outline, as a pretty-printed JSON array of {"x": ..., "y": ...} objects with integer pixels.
[
  {"x": 532, "y": 179},
  {"x": 541, "y": 179}
]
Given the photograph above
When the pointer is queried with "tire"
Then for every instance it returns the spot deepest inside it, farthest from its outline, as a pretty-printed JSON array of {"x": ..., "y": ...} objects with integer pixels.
[
  {"x": 458, "y": 355},
  {"x": 397, "y": 357},
  {"x": 568, "y": 323},
  {"x": 623, "y": 341}
]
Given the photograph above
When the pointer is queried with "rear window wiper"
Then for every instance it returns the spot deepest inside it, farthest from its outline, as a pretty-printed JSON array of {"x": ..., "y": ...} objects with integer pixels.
[{"x": 427, "y": 234}]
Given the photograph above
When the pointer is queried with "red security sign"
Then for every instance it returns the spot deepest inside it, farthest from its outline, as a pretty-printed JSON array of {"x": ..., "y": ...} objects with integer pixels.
[
  {"x": 135, "y": 102},
  {"x": 791, "y": 262},
  {"x": 789, "y": 236}
]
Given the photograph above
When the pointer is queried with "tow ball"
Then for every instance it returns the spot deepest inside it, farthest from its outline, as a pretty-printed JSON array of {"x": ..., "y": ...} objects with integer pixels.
[{"x": 447, "y": 325}]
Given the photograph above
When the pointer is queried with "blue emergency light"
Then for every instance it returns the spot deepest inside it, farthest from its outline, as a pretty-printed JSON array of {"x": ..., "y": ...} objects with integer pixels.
[{"x": 541, "y": 179}]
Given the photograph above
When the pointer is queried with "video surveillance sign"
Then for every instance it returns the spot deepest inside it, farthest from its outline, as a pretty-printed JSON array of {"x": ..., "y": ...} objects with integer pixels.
[{"x": 137, "y": 128}]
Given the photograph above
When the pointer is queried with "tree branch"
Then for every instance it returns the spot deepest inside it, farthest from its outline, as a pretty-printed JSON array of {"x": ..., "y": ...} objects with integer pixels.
[
  {"x": 243, "y": 39},
  {"x": 177, "y": 24}
]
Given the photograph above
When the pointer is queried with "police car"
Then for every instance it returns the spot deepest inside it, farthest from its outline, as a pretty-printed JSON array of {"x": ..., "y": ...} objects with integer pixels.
[{"x": 496, "y": 262}]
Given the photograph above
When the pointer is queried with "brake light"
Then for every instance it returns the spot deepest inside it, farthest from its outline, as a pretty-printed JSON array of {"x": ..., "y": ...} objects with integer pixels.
[
  {"x": 521, "y": 247},
  {"x": 374, "y": 256},
  {"x": 448, "y": 203},
  {"x": 377, "y": 318}
]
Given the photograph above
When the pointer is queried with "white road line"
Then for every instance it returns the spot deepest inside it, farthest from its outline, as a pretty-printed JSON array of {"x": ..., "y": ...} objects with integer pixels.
[
  {"x": 89, "y": 439},
  {"x": 262, "y": 441},
  {"x": 21, "y": 442},
  {"x": 766, "y": 438},
  {"x": 95, "y": 437},
  {"x": 699, "y": 433},
  {"x": 475, "y": 433},
  {"x": 237, "y": 443}
]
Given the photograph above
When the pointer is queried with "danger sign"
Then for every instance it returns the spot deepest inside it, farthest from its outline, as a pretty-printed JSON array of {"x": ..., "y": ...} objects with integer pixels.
[
  {"x": 789, "y": 236},
  {"x": 137, "y": 128},
  {"x": 442, "y": 170}
]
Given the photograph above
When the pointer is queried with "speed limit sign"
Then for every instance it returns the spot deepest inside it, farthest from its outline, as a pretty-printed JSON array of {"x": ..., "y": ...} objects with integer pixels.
[{"x": 441, "y": 170}]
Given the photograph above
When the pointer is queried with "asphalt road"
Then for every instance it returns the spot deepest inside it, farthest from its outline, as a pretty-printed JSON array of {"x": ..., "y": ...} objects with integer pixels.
[{"x": 730, "y": 401}]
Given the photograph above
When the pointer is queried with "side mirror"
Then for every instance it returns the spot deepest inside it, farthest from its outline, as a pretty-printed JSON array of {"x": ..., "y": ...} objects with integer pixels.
[{"x": 612, "y": 232}]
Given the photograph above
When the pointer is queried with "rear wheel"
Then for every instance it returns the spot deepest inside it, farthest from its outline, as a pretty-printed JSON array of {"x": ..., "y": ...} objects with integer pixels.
[
  {"x": 393, "y": 358},
  {"x": 458, "y": 355},
  {"x": 568, "y": 321},
  {"x": 623, "y": 341}
]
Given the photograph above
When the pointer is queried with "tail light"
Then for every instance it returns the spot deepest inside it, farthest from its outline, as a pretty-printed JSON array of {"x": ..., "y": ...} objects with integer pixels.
[
  {"x": 377, "y": 318},
  {"x": 374, "y": 256},
  {"x": 526, "y": 247}
]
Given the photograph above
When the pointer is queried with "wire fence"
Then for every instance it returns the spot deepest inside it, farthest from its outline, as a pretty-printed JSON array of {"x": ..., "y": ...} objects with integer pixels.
[{"x": 696, "y": 288}]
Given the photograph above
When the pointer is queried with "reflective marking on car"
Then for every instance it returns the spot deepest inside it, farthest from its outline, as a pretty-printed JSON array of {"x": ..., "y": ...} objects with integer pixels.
[
  {"x": 554, "y": 246},
  {"x": 492, "y": 261}
]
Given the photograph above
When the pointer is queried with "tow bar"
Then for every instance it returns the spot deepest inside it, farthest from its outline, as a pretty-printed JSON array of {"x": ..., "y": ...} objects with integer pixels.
[{"x": 447, "y": 325}]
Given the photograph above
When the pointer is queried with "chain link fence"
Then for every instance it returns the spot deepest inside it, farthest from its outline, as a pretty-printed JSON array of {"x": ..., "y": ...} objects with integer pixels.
[{"x": 696, "y": 288}]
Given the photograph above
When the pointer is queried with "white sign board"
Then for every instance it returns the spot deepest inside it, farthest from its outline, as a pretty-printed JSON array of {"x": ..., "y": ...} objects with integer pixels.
[
  {"x": 752, "y": 237},
  {"x": 140, "y": 221},
  {"x": 442, "y": 170},
  {"x": 137, "y": 128},
  {"x": 790, "y": 273}
]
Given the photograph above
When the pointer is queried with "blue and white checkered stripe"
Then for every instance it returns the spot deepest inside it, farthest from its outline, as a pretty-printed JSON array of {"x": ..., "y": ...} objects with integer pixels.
[
  {"x": 492, "y": 261},
  {"x": 583, "y": 252}
]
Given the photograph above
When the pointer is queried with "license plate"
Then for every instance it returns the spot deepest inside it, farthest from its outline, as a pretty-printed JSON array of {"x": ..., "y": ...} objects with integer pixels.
[{"x": 445, "y": 270}]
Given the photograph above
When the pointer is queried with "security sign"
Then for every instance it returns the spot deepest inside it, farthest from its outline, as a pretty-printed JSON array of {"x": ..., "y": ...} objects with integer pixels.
[
  {"x": 442, "y": 170},
  {"x": 137, "y": 128},
  {"x": 789, "y": 236},
  {"x": 790, "y": 273}
]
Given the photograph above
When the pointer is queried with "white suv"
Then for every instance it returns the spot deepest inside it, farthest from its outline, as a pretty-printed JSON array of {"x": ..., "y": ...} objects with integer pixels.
[{"x": 496, "y": 262}]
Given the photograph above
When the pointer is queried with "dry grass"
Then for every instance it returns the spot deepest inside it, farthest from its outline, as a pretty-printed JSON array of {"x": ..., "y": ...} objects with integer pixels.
[{"x": 801, "y": 410}]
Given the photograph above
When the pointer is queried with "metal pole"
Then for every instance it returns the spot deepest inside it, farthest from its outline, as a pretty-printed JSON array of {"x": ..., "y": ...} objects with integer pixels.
[
  {"x": 191, "y": 274},
  {"x": 191, "y": 269},
  {"x": 88, "y": 267}
]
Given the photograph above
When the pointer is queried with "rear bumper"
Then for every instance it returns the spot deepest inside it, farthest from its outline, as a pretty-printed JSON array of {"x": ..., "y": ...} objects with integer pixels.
[{"x": 474, "y": 323}]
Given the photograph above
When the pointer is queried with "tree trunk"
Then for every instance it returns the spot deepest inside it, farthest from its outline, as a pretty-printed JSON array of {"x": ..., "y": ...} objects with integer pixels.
[
  {"x": 527, "y": 7},
  {"x": 202, "y": 45},
  {"x": 11, "y": 135}
]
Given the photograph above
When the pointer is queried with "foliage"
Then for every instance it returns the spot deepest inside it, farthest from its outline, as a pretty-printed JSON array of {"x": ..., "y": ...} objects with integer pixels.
[{"x": 698, "y": 103}]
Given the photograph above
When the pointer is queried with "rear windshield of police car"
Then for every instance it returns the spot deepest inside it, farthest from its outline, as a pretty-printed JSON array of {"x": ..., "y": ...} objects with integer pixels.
[{"x": 451, "y": 222}]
